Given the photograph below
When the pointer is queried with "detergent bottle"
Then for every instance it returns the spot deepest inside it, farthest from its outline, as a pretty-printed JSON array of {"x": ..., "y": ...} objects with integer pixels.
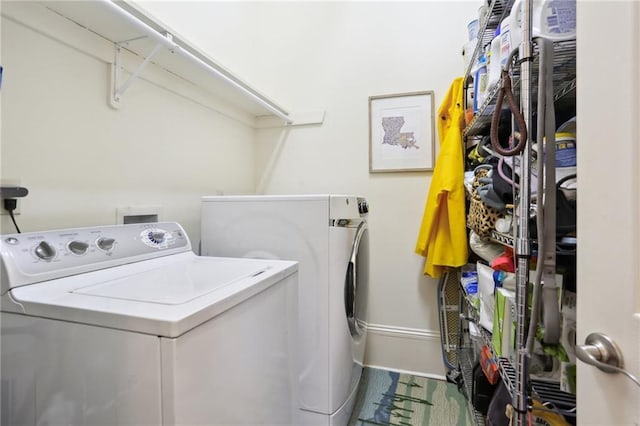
[
  {"x": 554, "y": 20},
  {"x": 480, "y": 83},
  {"x": 494, "y": 61}
]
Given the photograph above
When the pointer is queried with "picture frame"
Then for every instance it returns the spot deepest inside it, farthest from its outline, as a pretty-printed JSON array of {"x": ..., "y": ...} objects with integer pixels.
[{"x": 402, "y": 132}]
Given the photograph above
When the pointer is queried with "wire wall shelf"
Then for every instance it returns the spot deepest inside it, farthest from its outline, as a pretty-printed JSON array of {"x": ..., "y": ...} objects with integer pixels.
[
  {"x": 564, "y": 82},
  {"x": 546, "y": 391}
]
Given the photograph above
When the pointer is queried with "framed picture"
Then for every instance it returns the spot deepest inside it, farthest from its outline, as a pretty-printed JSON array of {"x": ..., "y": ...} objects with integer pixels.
[{"x": 401, "y": 132}]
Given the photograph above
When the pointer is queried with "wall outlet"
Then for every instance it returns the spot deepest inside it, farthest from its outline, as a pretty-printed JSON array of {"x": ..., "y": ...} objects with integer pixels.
[
  {"x": 9, "y": 182},
  {"x": 4, "y": 212}
]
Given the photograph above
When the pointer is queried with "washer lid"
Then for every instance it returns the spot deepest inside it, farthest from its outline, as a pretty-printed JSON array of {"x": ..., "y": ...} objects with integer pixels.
[
  {"x": 174, "y": 284},
  {"x": 165, "y": 296}
]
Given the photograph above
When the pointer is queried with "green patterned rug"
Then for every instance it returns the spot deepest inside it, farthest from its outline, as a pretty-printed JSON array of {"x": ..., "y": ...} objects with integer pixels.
[{"x": 390, "y": 398}]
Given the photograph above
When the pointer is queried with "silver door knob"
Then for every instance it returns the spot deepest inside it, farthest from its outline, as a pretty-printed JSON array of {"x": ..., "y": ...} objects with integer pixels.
[{"x": 602, "y": 352}]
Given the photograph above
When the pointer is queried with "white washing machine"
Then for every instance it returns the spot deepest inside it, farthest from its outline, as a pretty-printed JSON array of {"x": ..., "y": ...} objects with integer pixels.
[
  {"x": 327, "y": 235},
  {"x": 125, "y": 325}
]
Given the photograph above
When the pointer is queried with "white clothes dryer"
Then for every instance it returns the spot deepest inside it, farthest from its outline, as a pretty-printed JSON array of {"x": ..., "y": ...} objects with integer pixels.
[
  {"x": 125, "y": 325},
  {"x": 327, "y": 235}
]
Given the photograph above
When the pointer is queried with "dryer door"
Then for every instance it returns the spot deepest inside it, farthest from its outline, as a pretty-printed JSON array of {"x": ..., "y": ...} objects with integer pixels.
[{"x": 357, "y": 282}]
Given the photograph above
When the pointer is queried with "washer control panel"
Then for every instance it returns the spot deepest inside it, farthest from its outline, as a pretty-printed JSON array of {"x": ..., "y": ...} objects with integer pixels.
[{"x": 62, "y": 252}]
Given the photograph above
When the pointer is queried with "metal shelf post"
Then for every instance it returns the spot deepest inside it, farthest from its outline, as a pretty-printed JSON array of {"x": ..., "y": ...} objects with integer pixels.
[{"x": 523, "y": 250}]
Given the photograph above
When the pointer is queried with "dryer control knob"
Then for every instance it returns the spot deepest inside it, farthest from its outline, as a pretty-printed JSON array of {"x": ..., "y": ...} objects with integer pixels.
[
  {"x": 105, "y": 244},
  {"x": 45, "y": 251}
]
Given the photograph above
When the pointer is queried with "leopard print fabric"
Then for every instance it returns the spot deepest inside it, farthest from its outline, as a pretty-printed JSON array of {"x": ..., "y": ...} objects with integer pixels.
[{"x": 481, "y": 218}]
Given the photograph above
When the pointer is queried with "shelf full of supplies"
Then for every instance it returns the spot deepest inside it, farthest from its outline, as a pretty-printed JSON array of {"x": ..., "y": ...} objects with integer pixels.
[
  {"x": 564, "y": 246},
  {"x": 490, "y": 20},
  {"x": 547, "y": 391},
  {"x": 516, "y": 60},
  {"x": 564, "y": 83}
]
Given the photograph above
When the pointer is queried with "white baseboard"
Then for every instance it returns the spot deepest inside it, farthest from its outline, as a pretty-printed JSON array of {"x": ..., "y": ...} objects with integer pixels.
[
  {"x": 405, "y": 350},
  {"x": 414, "y": 373}
]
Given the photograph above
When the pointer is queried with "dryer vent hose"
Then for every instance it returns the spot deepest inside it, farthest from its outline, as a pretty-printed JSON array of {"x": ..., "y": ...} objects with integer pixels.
[{"x": 506, "y": 91}]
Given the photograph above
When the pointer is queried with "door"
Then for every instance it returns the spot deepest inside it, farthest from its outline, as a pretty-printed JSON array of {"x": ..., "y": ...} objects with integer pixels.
[
  {"x": 357, "y": 283},
  {"x": 608, "y": 111}
]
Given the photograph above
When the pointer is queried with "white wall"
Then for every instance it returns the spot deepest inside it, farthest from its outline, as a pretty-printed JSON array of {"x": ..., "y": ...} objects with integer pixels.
[
  {"x": 80, "y": 159},
  {"x": 333, "y": 56}
]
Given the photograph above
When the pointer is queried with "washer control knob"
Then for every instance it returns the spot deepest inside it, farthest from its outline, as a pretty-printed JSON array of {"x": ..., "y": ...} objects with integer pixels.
[
  {"x": 157, "y": 237},
  {"x": 45, "y": 251},
  {"x": 78, "y": 247},
  {"x": 105, "y": 243}
]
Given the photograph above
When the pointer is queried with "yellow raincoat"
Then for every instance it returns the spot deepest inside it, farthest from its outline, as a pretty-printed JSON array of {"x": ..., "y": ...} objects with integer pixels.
[{"x": 443, "y": 237}]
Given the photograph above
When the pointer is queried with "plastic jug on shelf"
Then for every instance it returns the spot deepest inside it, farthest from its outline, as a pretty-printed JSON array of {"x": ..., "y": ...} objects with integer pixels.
[
  {"x": 480, "y": 83},
  {"x": 551, "y": 19},
  {"x": 494, "y": 61}
]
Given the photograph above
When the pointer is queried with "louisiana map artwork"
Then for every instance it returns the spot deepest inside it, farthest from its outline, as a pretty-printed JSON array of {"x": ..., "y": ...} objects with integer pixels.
[{"x": 393, "y": 136}]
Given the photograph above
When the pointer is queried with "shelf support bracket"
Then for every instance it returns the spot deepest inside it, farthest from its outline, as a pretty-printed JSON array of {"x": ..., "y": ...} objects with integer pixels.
[{"x": 116, "y": 91}]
